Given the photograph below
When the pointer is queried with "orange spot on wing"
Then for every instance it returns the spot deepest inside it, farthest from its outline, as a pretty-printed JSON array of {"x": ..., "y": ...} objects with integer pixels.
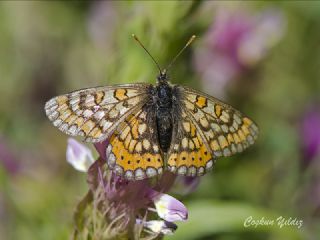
[
  {"x": 132, "y": 145},
  {"x": 201, "y": 102},
  {"x": 99, "y": 97},
  {"x": 196, "y": 142},
  {"x": 61, "y": 100},
  {"x": 87, "y": 126},
  {"x": 223, "y": 141},
  {"x": 230, "y": 138},
  {"x": 193, "y": 130},
  {"x": 214, "y": 145},
  {"x": 134, "y": 129},
  {"x": 236, "y": 138},
  {"x": 95, "y": 133},
  {"x": 241, "y": 135},
  {"x": 247, "y": 121},
  {"x": 120, "y": 94},
  {"x": 245, "y": 130},
  {"x": 71, "y": 118},
  {"x": 79, "y": 121},
  {"x": 172, "y": 159},
  {"x": 218, "y": 110},
  {"x": 65, "y": 114},
  {"x": 128, "y": 140}
]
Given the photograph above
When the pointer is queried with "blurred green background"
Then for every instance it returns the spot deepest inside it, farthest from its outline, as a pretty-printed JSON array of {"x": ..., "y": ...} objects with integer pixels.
[{"x": 261, "y": 57}]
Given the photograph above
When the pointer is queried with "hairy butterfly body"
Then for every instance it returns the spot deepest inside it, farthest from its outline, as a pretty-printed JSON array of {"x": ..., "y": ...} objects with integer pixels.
[{"x": 154, "y": 128}]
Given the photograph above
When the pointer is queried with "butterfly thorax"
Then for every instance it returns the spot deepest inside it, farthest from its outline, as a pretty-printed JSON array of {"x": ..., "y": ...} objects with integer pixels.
[{"x": 164, "y": 113}]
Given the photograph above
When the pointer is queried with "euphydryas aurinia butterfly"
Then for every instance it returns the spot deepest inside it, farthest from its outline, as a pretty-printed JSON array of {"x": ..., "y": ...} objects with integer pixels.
[{"x": 154, "y": 128}]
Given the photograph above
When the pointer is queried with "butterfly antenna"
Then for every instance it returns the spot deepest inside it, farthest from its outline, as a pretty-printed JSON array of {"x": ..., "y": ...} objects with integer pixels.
[
  {"x": 185, "y": 46},
  {"x": 137, "y": 39}
]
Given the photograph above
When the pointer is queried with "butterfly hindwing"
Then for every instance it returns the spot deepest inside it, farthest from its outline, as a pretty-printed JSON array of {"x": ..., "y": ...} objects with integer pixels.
[
  {"x": 188, "y": 155},
  {"x": 133, "y": 150},
  {"x": 95, "y": 112},
  {"x": 206, "y": 129}
]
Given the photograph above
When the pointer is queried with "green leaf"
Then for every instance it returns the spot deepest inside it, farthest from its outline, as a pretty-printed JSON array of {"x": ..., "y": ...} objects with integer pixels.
[{"x": 210, "y": 217}]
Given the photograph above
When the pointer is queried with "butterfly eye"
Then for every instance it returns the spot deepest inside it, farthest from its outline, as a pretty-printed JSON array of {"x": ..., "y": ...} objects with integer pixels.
[{"x": 162, "y": 77}]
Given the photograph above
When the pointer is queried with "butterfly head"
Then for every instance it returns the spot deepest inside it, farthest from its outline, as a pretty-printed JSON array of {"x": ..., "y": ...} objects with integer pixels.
[{"x": 163, "y": 76}]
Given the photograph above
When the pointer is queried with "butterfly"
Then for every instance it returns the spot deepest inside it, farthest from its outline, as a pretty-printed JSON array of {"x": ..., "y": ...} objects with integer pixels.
[{"x": 154, "y": 128}]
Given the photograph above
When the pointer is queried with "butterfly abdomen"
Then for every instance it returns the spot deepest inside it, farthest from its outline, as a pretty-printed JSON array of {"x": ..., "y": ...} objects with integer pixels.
[{"x": 164, "y": 115}]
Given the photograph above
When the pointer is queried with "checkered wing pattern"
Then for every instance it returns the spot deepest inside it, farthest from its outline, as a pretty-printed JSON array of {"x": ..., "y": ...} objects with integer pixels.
[
  {"x": 95, "y": 113},
  {"x": 206, "y": 129},
  {"x": 134, "y": 151}
]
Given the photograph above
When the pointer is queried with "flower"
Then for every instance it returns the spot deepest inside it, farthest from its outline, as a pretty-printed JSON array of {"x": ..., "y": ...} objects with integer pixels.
[
  {"x": 78, "y": 155},
  {"x": 310, "y": 134},
  {"x": 159, "y": 226},
  {"x": 126, "y": 208},
  {"x": 8, "y": 160},
  {"x": 169, "y": 208},
  {"x": 101, "y": 23},
  {"x": 235, "y": 42}
]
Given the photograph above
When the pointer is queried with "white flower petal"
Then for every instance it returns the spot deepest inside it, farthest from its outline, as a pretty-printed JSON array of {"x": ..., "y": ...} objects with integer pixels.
[
  {"x": 78, "y": 155},
  {"x": 159, "y": 226},
  {"x": 170, "y": 209}
]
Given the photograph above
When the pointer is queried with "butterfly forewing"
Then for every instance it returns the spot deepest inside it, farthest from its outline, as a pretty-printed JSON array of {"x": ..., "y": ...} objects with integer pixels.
[
  {"x": 95, "y": 112},
  {"x": 134, "y": 151},
  {"x": 226, "y": 130}
]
